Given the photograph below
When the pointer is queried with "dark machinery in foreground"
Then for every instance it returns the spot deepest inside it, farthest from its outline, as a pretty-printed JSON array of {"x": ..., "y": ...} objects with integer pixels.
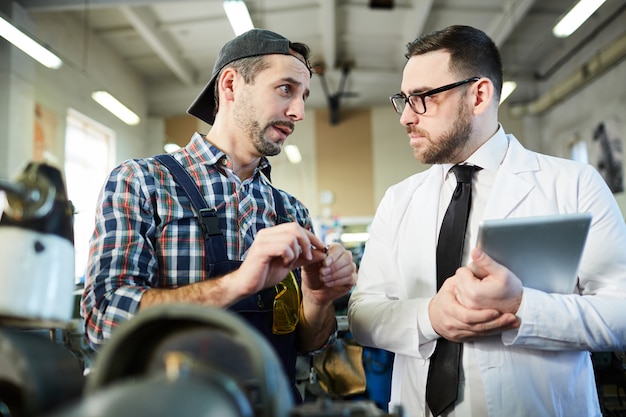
[{"x": 189, "y": 360}]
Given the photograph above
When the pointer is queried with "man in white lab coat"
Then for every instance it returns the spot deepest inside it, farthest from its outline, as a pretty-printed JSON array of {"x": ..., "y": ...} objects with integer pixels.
[{"x": 524, "y": 352}]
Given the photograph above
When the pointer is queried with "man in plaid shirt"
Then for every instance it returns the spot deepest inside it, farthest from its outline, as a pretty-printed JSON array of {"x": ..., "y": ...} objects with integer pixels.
[{"x": 148, "y": 247}]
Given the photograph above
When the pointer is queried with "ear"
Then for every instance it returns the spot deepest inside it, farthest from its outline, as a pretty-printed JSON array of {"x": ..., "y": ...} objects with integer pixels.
[
  {"x": 482, "y": 95},
  {"x": 226, "y": 84}
]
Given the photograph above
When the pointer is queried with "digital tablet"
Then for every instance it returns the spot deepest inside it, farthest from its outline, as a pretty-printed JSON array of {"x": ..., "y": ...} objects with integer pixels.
[{"x": 543, "y": 251}]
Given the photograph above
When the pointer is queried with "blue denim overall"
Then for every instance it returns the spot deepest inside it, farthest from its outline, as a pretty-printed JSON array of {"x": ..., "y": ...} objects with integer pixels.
[{"x": 256, "y": 309}]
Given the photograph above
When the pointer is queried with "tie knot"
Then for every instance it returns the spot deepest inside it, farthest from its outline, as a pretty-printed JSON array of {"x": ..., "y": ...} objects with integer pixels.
[{"x": 464, "y": 173}]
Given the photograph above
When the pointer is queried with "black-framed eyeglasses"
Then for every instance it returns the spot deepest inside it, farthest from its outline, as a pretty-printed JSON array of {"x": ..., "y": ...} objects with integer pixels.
[{"x": 399, "y": 101}]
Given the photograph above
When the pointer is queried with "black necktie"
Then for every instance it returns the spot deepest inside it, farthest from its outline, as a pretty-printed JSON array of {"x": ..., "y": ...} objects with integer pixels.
[{"x": 443, "y": 374}]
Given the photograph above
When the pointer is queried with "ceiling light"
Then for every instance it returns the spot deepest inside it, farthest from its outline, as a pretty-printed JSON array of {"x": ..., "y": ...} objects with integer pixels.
[
  {"x": 576, "y": 17},
  {"x": 28, "y": 45},
  {"x": 293, "y": 154},
  {"x": 238, "y": 16},
  {"x": 507, "y": 88},
  {"x": 110, "y": 103}
]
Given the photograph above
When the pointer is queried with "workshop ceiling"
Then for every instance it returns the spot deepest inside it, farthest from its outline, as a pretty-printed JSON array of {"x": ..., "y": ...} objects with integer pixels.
[{"x": 172, "y": 44}]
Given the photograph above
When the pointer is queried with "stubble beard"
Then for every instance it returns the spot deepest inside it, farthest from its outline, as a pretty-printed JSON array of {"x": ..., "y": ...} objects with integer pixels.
[
  {"x": 243, "y": 116},
  {"x": 263, "y": 145},
  {"x": 450, "y": 143}
]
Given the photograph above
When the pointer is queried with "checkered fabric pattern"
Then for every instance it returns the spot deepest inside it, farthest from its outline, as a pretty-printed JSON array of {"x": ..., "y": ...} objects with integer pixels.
[{"x": 147, "y": 236}]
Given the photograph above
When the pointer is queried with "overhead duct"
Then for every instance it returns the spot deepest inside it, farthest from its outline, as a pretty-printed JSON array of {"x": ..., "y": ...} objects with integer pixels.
[{"x": 595, "y": 66}]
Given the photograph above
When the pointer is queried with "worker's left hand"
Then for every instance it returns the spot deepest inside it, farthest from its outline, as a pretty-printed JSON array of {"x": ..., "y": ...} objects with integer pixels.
[{"x": 330, "y": 278}]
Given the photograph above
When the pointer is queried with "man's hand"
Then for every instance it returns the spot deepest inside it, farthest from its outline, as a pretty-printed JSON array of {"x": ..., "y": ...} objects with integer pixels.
[
  {"x": 323, "y": 281},
  {"x": 276, "y": 251},
  {"x": 479, "y": 300},
  {"x": 487, "y": 284},
  {"x": 330, "y": 278},
  {"x": 457, "y": 323}
]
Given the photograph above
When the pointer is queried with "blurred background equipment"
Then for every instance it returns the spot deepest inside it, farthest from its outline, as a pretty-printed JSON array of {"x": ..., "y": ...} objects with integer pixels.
[
  {"x": 37, "y": 373},
  {"x": 36, "y": 247}
]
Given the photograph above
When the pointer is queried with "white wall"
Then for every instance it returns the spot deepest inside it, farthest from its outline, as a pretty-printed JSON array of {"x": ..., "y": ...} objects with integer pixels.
[
  {"x": 16, "y": 110},
  {"x": 300, "y": 179},
  {"x": 393, "y": 156}
]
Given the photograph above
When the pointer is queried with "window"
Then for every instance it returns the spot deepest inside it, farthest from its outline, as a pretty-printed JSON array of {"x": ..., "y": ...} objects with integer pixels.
[{"x": 89, "y": 157}]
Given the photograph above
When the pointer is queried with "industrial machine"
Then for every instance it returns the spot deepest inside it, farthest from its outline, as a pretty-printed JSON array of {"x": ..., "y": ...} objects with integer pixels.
[
  {"x": 37, "y": 374},
  {"x": 36, "y": 247},
  {"x": 191, "y": 360}
]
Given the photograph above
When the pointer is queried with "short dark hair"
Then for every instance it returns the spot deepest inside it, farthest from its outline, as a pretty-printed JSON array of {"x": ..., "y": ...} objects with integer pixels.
[{"x": 472, "y": 52}]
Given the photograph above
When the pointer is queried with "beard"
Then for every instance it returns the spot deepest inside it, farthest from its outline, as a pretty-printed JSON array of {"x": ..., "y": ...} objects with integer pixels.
[
  {"x": 450, "y": 143},
  {"x": 243, "y": 116},
  {"x": 262, "y": 145}
]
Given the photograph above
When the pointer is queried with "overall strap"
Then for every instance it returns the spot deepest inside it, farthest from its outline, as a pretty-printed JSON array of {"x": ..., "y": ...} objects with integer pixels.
[
  {"x": 279, "y": 206},
  {"x": 207, "y": 217},
  {"x": 256, "y": 309}
]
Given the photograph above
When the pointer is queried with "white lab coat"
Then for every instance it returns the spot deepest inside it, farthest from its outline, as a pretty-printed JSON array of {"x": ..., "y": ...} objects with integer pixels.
[{"x": 541, "y": 369}]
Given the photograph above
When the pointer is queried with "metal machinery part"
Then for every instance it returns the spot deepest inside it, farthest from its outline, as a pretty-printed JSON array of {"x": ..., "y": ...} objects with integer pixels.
[
  {"x": 37, "y": 200},
  {"x": 172, "y": 348},
  {"x": 36, "y": 248},
  {"x": 37, "y": 375},
  {"x": 30, "y": 197},
  {"x": 190, "y": 360}
]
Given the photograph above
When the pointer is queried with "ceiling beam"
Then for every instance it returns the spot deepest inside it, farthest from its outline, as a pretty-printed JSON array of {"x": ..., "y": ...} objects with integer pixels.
[
  {"x": 328, "y": 28},
  {"x": 513, "y": 11},
  {"x": 414, "y": 24},
  {"x": 145, "y": 23}
]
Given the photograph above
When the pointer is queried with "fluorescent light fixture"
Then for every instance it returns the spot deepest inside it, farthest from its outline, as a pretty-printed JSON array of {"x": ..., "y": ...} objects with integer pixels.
[
  {"x": 293, "y": 154},
  {"x": 355, "y": 237},
  {"x": 171, "y": 147},
  {"x": 576, "y": 17},
  {"x": 507, "y": 88},
  {"x": 238, "y": 16},
  {"x": 28, "y": 45},
  {"x": 112, "y": 104}
]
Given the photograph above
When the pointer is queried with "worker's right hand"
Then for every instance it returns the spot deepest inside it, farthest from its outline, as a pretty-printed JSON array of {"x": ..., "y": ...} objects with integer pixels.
[{"x": 275, "y": 251}]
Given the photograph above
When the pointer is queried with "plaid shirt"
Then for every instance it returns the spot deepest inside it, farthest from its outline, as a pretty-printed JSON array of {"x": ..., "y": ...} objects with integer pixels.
[{"x": 147, "y": 236}]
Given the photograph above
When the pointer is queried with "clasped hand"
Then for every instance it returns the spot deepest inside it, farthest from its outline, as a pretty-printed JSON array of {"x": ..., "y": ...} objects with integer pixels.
[{"x": 481, "y": 299}]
